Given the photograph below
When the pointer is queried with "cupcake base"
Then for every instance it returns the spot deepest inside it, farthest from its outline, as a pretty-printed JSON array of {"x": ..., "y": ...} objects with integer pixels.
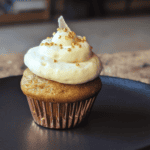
[{"x": 60, "y": 115}]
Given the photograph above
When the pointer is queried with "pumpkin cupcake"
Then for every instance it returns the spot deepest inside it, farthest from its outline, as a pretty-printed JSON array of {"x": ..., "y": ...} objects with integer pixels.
[{"x": 62, "y": 80}]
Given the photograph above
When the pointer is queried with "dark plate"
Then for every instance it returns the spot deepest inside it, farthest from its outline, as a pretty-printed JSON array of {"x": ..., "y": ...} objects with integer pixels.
[{"x": 119, "y": 120}]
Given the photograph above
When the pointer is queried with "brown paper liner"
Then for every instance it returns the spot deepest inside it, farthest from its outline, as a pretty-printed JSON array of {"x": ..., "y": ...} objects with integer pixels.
[{"x": 60, "y": 115}]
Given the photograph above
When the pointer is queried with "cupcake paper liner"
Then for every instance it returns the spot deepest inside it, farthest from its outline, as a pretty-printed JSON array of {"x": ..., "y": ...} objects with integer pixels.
[{"x": 59, "y": 115}]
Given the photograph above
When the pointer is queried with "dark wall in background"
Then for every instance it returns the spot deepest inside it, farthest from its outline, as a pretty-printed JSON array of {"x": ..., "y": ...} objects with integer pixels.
[{"x": 76, "y": 9}]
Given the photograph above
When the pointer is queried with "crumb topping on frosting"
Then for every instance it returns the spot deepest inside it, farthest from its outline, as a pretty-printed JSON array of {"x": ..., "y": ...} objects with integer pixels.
[
  {"x": 76, "y": 63},
  {"x": 69, "y": 49},
  {"x": 55, "y": 60}
]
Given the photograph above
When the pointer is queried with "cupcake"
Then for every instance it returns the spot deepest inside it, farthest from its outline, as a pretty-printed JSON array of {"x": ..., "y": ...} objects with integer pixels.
[{"x": 61, "y": 81}]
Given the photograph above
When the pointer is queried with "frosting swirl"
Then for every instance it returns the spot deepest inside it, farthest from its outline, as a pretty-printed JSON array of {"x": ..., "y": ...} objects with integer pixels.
[{"x": 65, "y": 58}]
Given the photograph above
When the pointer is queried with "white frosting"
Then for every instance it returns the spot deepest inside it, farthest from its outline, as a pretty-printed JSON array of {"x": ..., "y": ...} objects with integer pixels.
[{"x": 40, "y": 60}]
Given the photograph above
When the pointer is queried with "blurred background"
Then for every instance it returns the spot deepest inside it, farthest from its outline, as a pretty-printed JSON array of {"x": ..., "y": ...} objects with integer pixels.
[{"x": 110, "y": 26}]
